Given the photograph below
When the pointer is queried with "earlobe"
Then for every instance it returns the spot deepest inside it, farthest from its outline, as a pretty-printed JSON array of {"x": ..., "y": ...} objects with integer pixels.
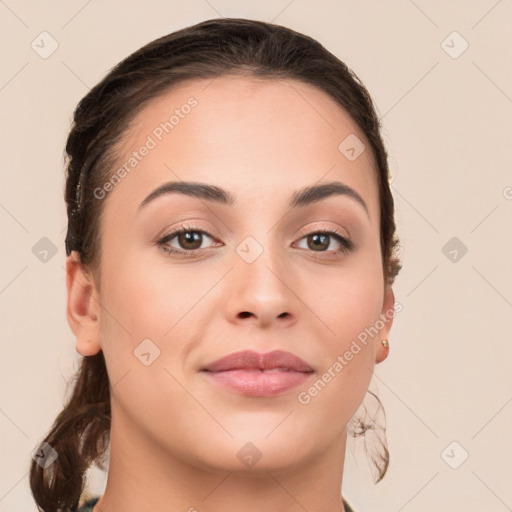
[
  {"x": 82, "y": 306},
  {"x": 382, "y": 350},
  {"x": 387, "y": 314}
]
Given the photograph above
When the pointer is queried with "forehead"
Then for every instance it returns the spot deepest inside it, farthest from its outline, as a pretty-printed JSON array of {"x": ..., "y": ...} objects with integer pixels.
[{"x": 245, "y": 134}]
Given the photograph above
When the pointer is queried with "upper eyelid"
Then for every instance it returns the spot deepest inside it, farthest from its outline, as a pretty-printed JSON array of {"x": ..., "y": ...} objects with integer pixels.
[
  {"x": 182, "y": 228},
  {"x": 171, "y": 234}
]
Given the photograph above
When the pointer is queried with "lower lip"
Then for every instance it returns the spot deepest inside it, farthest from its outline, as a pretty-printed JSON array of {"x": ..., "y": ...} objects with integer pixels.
[{"x": 258, "y": 382}]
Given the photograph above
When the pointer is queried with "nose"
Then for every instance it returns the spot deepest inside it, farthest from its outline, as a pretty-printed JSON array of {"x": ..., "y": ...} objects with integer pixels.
[{"x": 262, "y": 292}]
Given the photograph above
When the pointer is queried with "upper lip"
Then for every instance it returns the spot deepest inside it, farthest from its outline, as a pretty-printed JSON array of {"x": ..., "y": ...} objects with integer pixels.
[{"x": 250, "y": 359}]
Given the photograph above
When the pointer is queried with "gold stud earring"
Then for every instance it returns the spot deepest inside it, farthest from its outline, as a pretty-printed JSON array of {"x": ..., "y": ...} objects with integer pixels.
[{"x": 385, "y": 343}]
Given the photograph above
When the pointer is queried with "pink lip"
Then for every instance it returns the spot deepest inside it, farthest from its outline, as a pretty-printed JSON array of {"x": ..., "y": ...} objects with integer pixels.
[{"x": 247, "y": 372}]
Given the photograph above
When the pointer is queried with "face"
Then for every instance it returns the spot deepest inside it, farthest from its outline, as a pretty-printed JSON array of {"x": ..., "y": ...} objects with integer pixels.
[{"x": 253, "y": 270}]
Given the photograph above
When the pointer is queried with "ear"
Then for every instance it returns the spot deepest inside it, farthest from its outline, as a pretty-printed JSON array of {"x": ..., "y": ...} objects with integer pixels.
[
  {"x": 386, "y": 315},
  {"x": 83, "y": 308}
]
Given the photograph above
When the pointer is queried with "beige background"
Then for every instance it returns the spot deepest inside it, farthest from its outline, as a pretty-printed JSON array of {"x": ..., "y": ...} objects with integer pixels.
[{"x": 448, "y": 126}]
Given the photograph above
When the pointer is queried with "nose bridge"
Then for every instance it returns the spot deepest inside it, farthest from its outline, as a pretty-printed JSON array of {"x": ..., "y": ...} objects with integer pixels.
[
  {"x": 261, "y": 246},
  {"x": 262, "y": 278},
  {"x": 261, "y": 260}
]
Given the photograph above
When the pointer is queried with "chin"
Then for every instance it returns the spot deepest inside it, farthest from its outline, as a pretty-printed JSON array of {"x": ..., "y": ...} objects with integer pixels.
[{"x": 257, "y": 451}]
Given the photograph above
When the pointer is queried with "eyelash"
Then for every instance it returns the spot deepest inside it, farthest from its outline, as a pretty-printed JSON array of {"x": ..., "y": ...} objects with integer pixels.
[{"x": 346, "y": 245}]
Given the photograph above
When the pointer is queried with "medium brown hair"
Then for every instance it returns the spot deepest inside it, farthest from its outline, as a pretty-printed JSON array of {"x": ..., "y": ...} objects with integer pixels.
[{"x": 81, "y": 432}]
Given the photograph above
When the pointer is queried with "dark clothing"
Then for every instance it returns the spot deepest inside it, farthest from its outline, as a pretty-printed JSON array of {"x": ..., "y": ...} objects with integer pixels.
[{"x": 87, "y": 506}]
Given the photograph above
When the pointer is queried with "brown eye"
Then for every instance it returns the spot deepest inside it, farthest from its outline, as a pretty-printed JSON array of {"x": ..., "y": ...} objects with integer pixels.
[
  {"x": 320, "y": 241},
  {"x": 189, "y": 240},
  {"x": 186, "y": 240}
]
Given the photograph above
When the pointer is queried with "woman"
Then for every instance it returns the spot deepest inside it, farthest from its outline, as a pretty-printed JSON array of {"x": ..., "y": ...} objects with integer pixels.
[{"x": 231, "y": 254}]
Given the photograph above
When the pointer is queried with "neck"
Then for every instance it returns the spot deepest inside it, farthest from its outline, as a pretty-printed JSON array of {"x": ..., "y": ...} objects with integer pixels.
[{"x": 143, "y": 476}]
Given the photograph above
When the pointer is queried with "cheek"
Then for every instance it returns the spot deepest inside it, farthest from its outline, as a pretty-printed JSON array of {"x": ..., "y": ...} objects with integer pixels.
[
  {"x": 137, "y": 333},
  {"x": 136, "y": 311},
  {"x": 143, "y": 300},
  {"x": 155, "y": 315},
  {"x": 348, "y": 305},
  {"x": 346, "y": 301}
]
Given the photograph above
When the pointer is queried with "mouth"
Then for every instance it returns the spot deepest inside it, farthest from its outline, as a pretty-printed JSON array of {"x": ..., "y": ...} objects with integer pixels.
[{"x": 259, "y": 375}]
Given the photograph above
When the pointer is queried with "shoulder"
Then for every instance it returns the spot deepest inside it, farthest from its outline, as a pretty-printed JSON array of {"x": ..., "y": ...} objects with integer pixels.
[{"x": 88, "y": 505}]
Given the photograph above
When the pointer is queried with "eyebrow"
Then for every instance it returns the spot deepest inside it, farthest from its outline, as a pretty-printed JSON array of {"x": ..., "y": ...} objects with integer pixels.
[{"x": 300, "y": 198}]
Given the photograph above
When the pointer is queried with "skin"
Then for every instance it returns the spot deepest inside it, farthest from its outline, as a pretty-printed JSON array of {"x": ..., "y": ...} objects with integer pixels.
[{"x": 175, "y": 435}]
